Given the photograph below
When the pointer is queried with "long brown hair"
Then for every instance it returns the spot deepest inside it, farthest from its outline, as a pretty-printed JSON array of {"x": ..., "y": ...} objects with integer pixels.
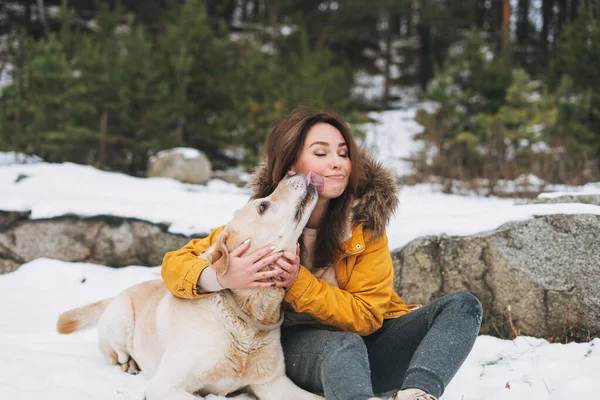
[{"x": 282, "y": 150}]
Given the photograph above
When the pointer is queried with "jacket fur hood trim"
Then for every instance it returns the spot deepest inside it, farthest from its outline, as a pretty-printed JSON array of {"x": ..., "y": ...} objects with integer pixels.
[{"x": 376, "y": 200}]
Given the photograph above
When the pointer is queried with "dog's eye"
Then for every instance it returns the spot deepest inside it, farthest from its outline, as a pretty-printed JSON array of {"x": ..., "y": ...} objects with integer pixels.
[{"x": 262, "y": 207}]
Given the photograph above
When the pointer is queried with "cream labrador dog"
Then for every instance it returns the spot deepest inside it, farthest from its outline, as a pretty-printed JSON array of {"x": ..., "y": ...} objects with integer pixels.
[{"x": 220, "y": 343}]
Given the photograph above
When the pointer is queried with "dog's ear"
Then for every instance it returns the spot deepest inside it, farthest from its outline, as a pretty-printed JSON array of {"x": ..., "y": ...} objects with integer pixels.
[{"x": 217, "y": 255}]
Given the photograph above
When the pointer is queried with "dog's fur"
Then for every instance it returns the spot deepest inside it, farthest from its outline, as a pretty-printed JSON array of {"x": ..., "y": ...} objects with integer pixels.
[{"x": 202, "y": 346}]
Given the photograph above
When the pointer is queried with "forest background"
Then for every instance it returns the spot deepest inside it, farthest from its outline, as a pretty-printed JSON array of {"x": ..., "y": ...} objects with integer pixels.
[{"x": 111, "y": 83}]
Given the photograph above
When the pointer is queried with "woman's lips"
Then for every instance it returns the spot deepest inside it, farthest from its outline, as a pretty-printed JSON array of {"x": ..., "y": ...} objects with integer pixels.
[{"x": 336, "y": 177}]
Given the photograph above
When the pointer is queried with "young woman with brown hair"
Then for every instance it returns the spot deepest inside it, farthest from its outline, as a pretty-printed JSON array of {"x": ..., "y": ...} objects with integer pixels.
[{"x": 347, "y": 334}]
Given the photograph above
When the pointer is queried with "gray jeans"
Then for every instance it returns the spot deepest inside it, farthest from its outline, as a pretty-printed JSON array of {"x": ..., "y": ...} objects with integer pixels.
[{"x": 422, "y": 349}]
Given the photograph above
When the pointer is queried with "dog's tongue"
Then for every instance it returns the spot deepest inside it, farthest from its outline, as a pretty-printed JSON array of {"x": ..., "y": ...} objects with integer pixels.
[{"x": 315, "y": 179}]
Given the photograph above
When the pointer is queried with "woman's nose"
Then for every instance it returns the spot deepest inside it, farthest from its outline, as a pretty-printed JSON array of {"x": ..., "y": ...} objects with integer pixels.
[{"x": 336, "y": 163}]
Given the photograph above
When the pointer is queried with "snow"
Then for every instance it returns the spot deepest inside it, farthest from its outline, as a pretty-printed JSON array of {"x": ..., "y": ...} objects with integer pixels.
[
  {"x": 17, "y": 158},
  {"x": 51, "y": 190},
  {"x": 585, "y": 190},
  {"x": 58, "y": 189},
  {"x": 391, "y": 138},
  {"x": 35, "y": 361},
  {"x": 370, "y": 88},
  {"x": 425, "y": 212}
]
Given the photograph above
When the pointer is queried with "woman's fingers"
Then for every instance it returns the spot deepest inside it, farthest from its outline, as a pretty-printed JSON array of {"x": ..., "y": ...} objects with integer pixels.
[
  {"x": 291, "y": 257},
  {"x": 268, "y": 274},
  {"x": 238, "y": 251},
  {"x": 263, "y": 262},
  {"x": 284, "y": 265},
  {"x": 285, "y": 280},
  {"x": 260, "y": 253}
]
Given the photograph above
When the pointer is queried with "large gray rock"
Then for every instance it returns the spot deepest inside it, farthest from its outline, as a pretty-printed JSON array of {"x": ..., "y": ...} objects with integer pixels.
[
  {"x": 541, "y": 275},
  {"x": 546, "y": 269},
  {"x": 236, "y": 176},
  {"x": 184, "y": 164},
  {"x": 573, "y": 198},
  {"x": 105, "y": 240}
]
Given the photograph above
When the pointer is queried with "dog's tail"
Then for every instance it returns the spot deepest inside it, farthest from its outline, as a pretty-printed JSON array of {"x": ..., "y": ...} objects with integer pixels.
[{"x": 81, "y": 317}]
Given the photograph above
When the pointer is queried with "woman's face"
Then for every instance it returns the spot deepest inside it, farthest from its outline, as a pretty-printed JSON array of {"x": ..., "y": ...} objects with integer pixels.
[{"x": 325, "y": 152}]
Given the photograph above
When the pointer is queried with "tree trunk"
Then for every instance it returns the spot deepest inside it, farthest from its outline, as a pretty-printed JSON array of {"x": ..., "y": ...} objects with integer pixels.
[
  {"x": 574, "y": 9},
  {"x": 273, "y": 12},
  {"x": 424, "y": 31},
  {"x": 393, "y": 26},
  {"x": 103, "y": 136},
  {"x": 27, "y": 17},
  {"x": 42, "y": 17},
  {"x": 506, "y": 30},
  {"x": 496, "y": 19},
  {"x": 179, "y": 131},
  {"x": 506, "y": 17},
  {"x": 479, "y": 13},
  {"x": 546, "y": 21},
  {"x": 523, "y": 22},
  {"x": 562, "y": 18},
  {"x": 409, "y": 20},
  {"x": 244, "y": 10}
]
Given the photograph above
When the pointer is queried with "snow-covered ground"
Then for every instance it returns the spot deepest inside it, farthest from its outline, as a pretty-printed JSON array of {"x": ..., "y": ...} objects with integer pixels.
[{"x": 36, "y": 362}]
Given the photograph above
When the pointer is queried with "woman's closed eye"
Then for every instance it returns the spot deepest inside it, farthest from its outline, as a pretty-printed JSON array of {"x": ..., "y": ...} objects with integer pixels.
[{"x": 345, "y": 155}]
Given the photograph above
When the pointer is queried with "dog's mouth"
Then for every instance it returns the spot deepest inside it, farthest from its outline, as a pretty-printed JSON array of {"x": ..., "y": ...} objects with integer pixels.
[
  {"x": 315, "y": 180},
  {"x": 314, "y": 186}
]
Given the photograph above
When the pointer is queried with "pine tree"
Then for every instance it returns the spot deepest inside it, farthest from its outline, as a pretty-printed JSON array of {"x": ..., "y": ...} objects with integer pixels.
[
  {"x": 141, "y": 119},
  {"x": 96, "y": 59},
  {"x": 577, "y": 57},
  {"x": 185, "y": 50},
  {"x": 56, "y": 105},
  {"x": 574, "y": 142},
  {"x": 13, "y": 107},
  {"x": 473, "y": 80},
  {"x": 510, "y": 138}
]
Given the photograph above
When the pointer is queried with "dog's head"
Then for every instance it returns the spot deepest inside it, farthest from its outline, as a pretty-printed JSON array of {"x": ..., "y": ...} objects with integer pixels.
[{"x": 276, "y": 220}]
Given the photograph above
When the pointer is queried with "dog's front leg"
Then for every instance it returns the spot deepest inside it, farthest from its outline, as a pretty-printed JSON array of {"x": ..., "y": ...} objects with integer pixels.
[
  {"x": 167, "y": 384},
  {"x": 282, "y": 388},
  {"x": 160, "y": 391}
]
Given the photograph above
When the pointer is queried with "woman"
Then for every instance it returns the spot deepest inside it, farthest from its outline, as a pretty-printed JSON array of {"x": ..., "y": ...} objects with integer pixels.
[{"x": 347, "y": 334}]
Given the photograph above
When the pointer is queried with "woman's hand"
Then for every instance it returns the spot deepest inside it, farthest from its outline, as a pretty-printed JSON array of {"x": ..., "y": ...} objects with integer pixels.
[
  {"x": 244, "y": 271},
  {"x": 290, "y": 266}
]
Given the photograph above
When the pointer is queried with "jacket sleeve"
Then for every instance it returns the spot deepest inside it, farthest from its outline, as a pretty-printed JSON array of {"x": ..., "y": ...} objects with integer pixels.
[
  {"x": 182, "y": 268},
  {"x": 361, "y": 305}
]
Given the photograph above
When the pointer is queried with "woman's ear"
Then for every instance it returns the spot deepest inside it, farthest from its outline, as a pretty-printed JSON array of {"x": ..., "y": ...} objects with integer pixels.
[{"x": 217, "y": 255}]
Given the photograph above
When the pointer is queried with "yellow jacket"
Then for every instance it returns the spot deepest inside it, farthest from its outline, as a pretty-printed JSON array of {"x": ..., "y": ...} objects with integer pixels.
[{"x": 364, "y": 272}]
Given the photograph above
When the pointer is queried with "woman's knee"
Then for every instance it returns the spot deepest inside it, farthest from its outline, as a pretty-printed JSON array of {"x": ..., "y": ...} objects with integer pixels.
[
  {"x": 344, "y": 343},
  {"x": 322, "y": 342},
  {"x": 465, "y": 303}
]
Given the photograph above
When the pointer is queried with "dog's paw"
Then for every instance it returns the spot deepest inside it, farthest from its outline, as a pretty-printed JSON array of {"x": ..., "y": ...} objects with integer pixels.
[
  {"x": 243, "y": 396},
  {"x": 130, "y": 367}
]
